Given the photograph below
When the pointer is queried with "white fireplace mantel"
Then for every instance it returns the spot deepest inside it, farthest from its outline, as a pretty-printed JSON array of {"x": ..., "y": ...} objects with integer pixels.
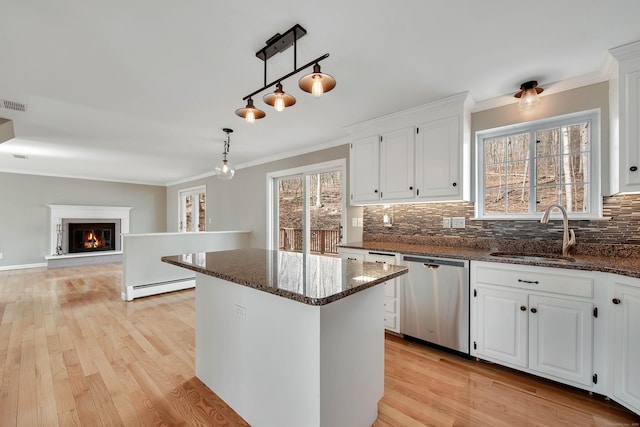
[{"x": 60, "y": 212}]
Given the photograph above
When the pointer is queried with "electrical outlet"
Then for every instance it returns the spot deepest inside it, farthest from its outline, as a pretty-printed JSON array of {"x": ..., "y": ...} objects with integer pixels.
[
  {"x": 446, "y": 222},
  {"x": 360, "y": 222},
  {"x": 1, "y": 255},
  {"x": 457, "y": 222},
  {"x": 241, "y": 311},
  {"x": 354, "y": 222}
]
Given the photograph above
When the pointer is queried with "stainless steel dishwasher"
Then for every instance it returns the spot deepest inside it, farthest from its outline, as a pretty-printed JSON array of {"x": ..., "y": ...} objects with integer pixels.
[{"x": 435, "y": 301}]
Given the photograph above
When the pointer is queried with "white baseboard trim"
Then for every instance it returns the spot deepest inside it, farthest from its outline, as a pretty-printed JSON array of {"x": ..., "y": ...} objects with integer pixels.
[
  {"x": 140, "y": 291},
  {"x": 23, "y": 266}
]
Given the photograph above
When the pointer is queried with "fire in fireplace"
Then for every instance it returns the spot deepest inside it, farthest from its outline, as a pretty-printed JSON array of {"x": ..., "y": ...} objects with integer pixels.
[{"x": 91, "y": 237}]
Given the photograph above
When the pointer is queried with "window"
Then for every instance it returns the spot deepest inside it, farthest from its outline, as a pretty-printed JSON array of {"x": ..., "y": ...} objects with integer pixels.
[
  {"x": 307, "y": 208},
  {"x": 192, "y": 205},
  {"x": 523, "y": 169}
]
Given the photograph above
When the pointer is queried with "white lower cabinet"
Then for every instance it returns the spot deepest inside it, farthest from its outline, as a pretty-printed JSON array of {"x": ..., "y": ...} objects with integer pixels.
[
  {"x": 625, "y": 328},
  {"x": 535, "y": 319},
  {"x": 561, "y": 338},
  {"x": 391, "y": 291},
  {"x": 391, "y": 294}
]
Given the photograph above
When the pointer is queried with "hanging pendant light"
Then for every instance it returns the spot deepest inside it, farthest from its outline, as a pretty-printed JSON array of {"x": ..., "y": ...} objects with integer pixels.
[
  {"x": 278, "y": 99},
  {"x": 317, "y": 82},
  {"x": 224, "y": 169},
  {"x": 528, "y": 95},
  {"x": 250, "y": 113}
]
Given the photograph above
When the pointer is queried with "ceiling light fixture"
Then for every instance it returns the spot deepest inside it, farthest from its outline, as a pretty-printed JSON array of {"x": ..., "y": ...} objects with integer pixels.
[
  {"x": 224, "y": 169},
  {"x": 278, "y": 99},
  {"x": 315, "y": 83},
  {"x": 528, "y": 95}
]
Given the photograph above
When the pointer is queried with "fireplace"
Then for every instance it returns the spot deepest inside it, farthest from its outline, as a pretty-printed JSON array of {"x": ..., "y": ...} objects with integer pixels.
[{"x": 91, "y": 237}]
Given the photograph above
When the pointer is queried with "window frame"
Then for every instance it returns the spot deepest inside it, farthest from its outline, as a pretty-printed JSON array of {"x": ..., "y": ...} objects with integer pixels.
[{"x": 594, "y": 189}]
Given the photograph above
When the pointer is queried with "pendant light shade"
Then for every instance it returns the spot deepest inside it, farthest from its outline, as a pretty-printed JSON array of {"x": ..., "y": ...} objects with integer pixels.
[
  {"x": 528, "y": 95},
  {"x": 224, "y": 169},
  {"x": 317, "y": 82},
  {"x": 250, "y": 113},
  {"x": 278, "y": 99}
]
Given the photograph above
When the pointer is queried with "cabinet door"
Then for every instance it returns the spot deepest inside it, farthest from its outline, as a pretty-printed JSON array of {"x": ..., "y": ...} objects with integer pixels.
[
  {"x": 396, "y": 165},
  {"x": 502, "y": 325},
  {"x": 437, "y": 159},
  {"x": 626, "y": 347},
  {"x": 561, "y": 338},
  {"x": 364, "y": 167},
  {"x": 630, "y": 131}
]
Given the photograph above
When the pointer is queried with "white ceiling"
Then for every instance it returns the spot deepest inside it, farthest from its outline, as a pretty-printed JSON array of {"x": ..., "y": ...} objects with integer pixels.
[{"x": 139, "y": 91}]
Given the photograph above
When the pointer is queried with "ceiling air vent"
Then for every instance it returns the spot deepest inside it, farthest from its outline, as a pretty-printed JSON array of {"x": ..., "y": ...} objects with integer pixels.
[
  {"x": 20, "y": 156},
  {"x": 12, "y": 105}
]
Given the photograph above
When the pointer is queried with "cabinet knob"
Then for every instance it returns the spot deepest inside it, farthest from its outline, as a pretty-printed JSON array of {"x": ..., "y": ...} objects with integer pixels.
[
  {"x": 375, "y": 191},
  {"x": 633, "y": 168},
  {"x": 455, "y": 184},
  {"x": 523, "y": 308},
  {"x": 410, "y": 188},
  {"x": 616, "y": 301},
  {"x": 534, "y": 310}
]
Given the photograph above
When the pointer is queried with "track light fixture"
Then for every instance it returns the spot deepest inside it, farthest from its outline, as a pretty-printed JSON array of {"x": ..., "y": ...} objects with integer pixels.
[
  {"x": 224, "y": 169},
  {"x": 528, "y": 95},
  {"x": 315, "y": 83}
]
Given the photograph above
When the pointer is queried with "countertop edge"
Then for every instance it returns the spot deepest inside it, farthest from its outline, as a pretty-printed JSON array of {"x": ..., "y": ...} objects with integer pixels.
[
  {"x": 282, "y": 292},
  {"x": 629, "y": 267}
]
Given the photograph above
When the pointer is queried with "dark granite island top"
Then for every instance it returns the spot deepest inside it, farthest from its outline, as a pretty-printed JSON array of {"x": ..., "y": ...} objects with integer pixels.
[
  {"x": 318, "y": 281},
  {"x": 291, "y": 340}
]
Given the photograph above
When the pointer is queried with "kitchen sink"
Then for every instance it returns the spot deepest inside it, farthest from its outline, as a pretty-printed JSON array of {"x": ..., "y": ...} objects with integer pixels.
[{"x": 532, "y": 257}]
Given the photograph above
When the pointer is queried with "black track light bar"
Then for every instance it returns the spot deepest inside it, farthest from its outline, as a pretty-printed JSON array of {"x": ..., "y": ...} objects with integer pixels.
[{"x": 286, "y": 76}]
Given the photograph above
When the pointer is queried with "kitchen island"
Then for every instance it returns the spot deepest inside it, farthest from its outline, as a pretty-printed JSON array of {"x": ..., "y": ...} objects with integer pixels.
[{"x": 287, "y": 339}]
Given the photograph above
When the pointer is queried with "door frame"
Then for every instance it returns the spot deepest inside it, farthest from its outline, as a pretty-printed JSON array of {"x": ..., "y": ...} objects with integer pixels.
[
  {"x": 305, "y": 171},
  {"x": 185, "y": 192}
]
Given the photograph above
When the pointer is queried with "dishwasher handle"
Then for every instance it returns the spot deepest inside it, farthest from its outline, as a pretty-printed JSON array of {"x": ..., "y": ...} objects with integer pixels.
[{"x": 434, "y": 261}]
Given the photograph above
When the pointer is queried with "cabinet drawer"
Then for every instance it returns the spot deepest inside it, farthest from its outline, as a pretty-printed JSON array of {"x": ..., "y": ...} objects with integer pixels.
[
  {"x": 390, "y": 289},
  {"x": 390, "y": 305},
  {"x": 536, "y": 279},
  {"x": 390, "y": 321}
]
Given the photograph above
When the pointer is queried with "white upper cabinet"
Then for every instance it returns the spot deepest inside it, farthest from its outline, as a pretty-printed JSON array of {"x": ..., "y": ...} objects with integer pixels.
[
  {"x": 397, "y": 165},
  {"x": 423, "y": 154},
  {"x": 364, "y": 170},
  {"x": 439, "y": 160},
  {"x": 624, "y": 93}
]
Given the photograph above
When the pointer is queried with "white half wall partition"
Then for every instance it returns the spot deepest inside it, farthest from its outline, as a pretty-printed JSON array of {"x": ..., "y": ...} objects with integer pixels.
[{"x": 143, "y": 273}]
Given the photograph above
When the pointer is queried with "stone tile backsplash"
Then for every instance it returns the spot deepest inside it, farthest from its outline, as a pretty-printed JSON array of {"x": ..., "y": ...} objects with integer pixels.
[{"x": 422, "y": 224}]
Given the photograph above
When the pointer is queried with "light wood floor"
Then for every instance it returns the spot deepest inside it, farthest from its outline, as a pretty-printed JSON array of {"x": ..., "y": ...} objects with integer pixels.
[{"x": 72, "y": 353}]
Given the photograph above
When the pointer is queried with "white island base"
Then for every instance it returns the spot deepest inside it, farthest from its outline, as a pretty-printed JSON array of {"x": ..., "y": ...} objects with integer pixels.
[{"x": 279, "y": 362}]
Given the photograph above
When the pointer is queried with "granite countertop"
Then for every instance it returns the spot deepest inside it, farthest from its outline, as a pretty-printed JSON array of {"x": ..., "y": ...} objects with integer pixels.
[
  {"x": 624, "y": 265},
  {"x": 318, "y": 280}
]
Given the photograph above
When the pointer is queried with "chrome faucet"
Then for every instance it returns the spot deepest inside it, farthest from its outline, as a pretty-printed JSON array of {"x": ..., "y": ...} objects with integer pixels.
[{"x": 568, "y": 236}]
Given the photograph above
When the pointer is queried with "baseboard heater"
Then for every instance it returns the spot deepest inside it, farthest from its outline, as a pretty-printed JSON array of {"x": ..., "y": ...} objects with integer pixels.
[{"x": 145, "y": 290}]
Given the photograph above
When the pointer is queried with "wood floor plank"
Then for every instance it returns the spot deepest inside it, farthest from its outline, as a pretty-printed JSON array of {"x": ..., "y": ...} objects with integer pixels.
[{"x": 72, "y": 353}]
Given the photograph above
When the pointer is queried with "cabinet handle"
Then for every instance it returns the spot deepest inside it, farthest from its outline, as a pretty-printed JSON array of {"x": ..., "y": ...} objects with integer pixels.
[
  {"x": 352, "y": 259},
  {"x": 523, "y": 308},
  {"x": 455, "y": 184},
  {"x": 633, "y": 168},
  {"x": 528, "y": 281},
  {"x": 417, "y": 191},
  {"x": 616, "y": 301},
  {"x": 534, "y": 310}
]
